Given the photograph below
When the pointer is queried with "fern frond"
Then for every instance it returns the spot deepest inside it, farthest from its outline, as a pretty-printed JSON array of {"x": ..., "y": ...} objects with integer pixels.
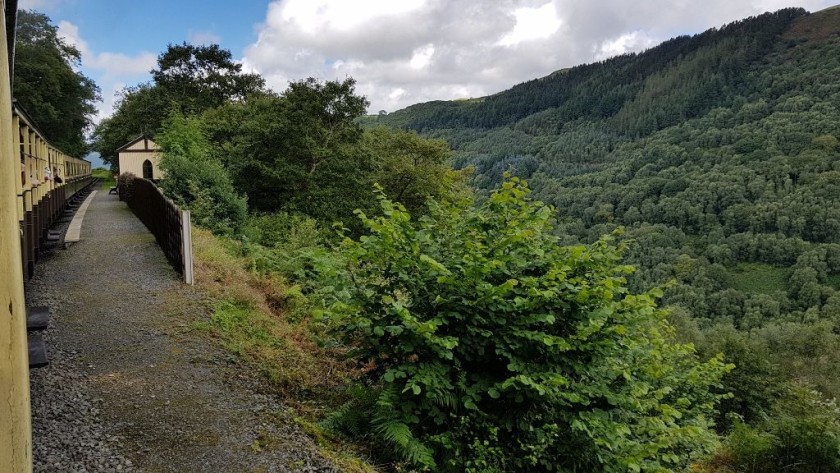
[{"x": 389, "y": 427}]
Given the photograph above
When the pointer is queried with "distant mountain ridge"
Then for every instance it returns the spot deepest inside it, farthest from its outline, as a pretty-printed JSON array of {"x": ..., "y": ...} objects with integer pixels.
[{"x": 618, "y": 87}]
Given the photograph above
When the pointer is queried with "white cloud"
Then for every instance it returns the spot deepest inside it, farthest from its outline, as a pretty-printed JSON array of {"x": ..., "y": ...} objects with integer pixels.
[
  {"x": 40, "y": 5},
  {"x": 422, "y": 57},
  {"x": 111, "y": 71},
  {"x": 312, "y": 16},
  {"x": 119, "y": 64},
  {"x": 203, "y": 37},
  {"x": 112, "y": 64},
  {"x": 531, "y": 24},
  {"x": 773, "y": 5},
  {"x": 110, "y": 93},
  {"x": 70, "y": 33},
  {"x": 631, "y": 42}
]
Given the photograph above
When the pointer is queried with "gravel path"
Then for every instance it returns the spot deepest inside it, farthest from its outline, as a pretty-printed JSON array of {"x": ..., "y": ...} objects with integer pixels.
[{"x": 131, "y": 387}]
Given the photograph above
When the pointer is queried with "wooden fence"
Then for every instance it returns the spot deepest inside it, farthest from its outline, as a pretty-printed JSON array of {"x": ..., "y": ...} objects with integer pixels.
[{"x": 169, "y": 224}]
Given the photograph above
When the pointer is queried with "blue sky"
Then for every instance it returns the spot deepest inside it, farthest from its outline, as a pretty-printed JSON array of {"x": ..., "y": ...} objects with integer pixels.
[
  {"x": 134, "y": 27},
  {"x": 120, "y": 40},
  {"x": 399, "y": 51}
]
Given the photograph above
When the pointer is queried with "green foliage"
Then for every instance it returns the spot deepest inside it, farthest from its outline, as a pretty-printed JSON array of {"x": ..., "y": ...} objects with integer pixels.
[
  {"x": 303, "y": 153},
  {"x": 496, "y": 349},
  {"x": 292, "y": 231},
  {"x": 294, "y": 152},
  {"x": 189, "y": 78},
  {"x": 198, "y": 78},
  {"x": 754, "y": 384},
  {"x": 105, "y": 176},
  {"x": 758, "y": 278},
  {"x": 196, "y": 179},
  {"x": 803, "y": 436},
  {"x": 58, "y": 99},
  {"x": 139, "y": 110},
  {"x": 409, "y": 168},
  {"x": 290, "y": 245}
]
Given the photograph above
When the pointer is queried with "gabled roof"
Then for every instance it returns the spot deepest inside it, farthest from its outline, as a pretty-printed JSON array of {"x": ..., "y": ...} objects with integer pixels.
[{"x": 137, "y": 140}]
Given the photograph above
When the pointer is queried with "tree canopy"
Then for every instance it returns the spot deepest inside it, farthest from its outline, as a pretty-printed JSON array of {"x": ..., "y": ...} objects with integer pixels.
[
  {"x": 188, "y": 78},
  {"x": 195, "y": 178},
  {"x": 303, "y": 151},
  {"x": 59, "y": 99},
  {"x": 201, "y": 77}
]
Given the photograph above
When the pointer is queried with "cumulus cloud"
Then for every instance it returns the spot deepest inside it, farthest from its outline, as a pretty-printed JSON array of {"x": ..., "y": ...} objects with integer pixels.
[
  {"x": 532, "y": 24},
  {"x": 113, "y": 70},
  {"x": 419, "y": 50},
  {"x": 112, "y": 64}
]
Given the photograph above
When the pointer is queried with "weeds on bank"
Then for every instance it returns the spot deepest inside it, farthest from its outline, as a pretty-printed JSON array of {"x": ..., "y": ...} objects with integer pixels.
[{"x": 264, "y": 320}]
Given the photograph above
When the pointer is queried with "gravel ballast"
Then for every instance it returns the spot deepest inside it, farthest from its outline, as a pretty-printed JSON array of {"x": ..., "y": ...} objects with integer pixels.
[{"x": 132, "y": 385}]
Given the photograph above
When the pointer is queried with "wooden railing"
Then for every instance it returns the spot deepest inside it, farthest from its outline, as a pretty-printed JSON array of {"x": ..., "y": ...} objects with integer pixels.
[
  {"x": 169, "y": 224},
  {"x": 48, "y": 180}
]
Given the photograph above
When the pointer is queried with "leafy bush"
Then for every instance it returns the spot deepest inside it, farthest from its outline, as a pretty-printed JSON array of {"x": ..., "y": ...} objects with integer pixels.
[
  {"x": 283, "y": 229},
  {"x": 802, "y": 436},
  {"x": 196, "y": 179},
  {"x": 125, "y": 183},
  {"x": 291, "y": 245},
  {"x": 755, "y": 383},
  {"x": 492, "y": 348}
]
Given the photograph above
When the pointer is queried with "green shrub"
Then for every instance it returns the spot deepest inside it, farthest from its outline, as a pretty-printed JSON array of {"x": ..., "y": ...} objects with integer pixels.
[
  {"x": 196, "y": 179},
  {"x": 125, "y": 182},
  {"x": 750, "y": 449},
  {"x": 283, "y": 229},
  {"x": 493, "y": 348},
  {"x": 755, "y": 383},
  {"x": 801, "y": 436},
  {"x": 291, "y": 245}
]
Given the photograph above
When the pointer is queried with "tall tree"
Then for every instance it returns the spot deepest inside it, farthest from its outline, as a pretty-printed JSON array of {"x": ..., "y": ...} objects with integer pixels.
[
  {"x": 409, "y": 167},
  {"x": 293, "y": 150},
  {"x": 139, "y": 111},
  {"x": 202, "y": 77},
  {"x": 189, "y": 78},
  {"x": 195, "y": 178},
  {"x": 59, "y": 99}
]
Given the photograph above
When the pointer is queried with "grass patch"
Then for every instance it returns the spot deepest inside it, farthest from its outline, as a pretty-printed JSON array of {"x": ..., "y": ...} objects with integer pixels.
[
  {"x": 107, "y": 177},
  {"x": 262, "y": 320},
  {"x": 758, "y": 278}
]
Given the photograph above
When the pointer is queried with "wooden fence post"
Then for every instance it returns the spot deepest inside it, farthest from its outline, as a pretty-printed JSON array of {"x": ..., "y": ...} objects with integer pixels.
[
  {"x": 186, "y": 241},
  {"x": 15, "y": 421}
]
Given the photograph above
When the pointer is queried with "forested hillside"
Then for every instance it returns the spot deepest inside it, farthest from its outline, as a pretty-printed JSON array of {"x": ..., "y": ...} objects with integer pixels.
[{"x": 718, "y": 155}]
